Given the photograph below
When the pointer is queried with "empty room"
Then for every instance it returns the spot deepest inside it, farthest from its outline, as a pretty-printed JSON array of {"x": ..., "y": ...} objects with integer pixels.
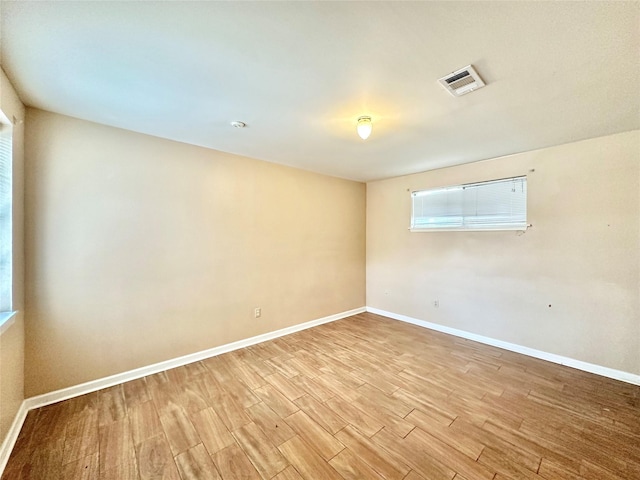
[{"x": 319, "y": 240}]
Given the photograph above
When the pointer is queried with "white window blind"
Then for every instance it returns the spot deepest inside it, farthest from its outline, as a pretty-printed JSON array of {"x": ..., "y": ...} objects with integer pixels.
[
  {"x": 493, "y": 205},
  {"x": 6, "y": 237}
]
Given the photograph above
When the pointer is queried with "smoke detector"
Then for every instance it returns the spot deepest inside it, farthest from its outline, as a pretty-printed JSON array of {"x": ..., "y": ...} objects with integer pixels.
[{"x": 462, "y": 81}]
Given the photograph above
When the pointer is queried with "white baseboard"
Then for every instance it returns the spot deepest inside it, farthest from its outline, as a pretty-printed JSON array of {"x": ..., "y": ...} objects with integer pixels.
[
  {"x": 532, "y": 352},
  {"x": 12, "y": 436},
  {"x": 93, "y": 385}
]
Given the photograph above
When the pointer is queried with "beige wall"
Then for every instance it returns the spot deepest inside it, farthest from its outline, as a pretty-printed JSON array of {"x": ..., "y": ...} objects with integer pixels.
[
  {"x": 12, "y": 339},
  {"x": 569, "y": 286},
  {"x": 142, "y": 249}
]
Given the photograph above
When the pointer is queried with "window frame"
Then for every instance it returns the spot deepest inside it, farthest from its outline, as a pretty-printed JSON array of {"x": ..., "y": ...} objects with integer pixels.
[
  {"x": 458, "y": 202},
  {"x": 6, "y": 224}
]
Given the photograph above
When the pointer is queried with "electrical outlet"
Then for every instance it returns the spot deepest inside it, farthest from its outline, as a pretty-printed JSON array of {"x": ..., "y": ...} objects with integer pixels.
[
  {"x": 257, "y": 312},
  {"x": 436, "y": 303}
]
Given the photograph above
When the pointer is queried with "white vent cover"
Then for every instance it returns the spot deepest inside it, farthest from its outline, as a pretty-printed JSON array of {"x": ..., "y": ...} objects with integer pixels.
[{"x": 462, "y": 81}]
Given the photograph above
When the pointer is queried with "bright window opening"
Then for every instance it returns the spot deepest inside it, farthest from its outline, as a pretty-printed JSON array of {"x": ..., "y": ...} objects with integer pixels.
[
  {"x": 493, "y": 205},
  {"x": 6, "y": 236}
]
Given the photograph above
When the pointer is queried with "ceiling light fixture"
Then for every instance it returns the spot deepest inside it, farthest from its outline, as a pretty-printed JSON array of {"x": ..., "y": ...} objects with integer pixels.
[
  {"x": 238, "y": 124},
  {"x": 364, "y": 127}
]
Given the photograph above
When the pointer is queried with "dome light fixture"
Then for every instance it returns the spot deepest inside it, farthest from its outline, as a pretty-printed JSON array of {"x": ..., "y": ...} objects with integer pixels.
[
  {"x": 364, "y": 127},
  {"x": 237, "y": 124}
]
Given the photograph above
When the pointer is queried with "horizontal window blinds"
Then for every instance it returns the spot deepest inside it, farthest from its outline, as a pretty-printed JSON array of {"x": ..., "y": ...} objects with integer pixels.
[
  {"x": 6, "y": 239},
  {"x": 493, "y": 205}
]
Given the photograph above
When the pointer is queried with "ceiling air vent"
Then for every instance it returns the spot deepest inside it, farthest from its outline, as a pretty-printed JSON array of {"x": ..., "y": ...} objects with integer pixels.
[{"x": 462, "y": 81}]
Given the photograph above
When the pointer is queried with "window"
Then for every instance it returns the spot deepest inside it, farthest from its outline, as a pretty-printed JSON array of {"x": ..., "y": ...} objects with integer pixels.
[
  {"x": 6, "y": 236},
  {"x": 493, "y": 205}
]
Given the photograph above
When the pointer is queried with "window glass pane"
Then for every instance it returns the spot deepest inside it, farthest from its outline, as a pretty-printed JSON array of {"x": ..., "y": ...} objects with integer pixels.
[
  {"x": 5, "y": 218},
  {"x": 494, "y": 205}
]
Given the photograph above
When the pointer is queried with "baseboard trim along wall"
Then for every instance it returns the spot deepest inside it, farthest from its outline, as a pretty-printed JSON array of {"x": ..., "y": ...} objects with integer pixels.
[
  {"x": 531, "y": 352},
  {"x": 12, "y": 436},
  {"x": 93, "y": 385},
  {"x": 88, "y": 387}
]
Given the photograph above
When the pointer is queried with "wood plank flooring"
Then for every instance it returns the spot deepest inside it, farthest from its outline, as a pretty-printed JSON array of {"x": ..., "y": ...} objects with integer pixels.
[{"x": 361, "y": 398}]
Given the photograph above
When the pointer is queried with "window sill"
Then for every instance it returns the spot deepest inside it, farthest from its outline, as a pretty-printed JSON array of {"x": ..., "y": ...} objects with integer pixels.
[
  {"x": 501, "y": 229},
  {"x": 6, "y": 320}
]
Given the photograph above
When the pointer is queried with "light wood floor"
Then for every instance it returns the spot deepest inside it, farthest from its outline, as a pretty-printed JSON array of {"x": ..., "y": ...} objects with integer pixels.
[{"x": 361, "y": 398}]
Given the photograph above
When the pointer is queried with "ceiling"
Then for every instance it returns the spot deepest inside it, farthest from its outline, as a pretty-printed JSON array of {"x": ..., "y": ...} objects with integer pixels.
[{"x": 301, "y": 73}]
